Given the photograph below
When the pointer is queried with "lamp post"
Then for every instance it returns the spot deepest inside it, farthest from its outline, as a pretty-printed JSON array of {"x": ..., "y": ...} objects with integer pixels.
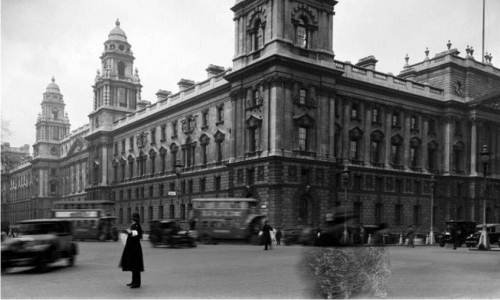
[
  {"x": 178, "y": 169},
  {"x": 433, "y": 188},
  {"x": 345, "y": 183},
  {"x": 484, "y": 243}
]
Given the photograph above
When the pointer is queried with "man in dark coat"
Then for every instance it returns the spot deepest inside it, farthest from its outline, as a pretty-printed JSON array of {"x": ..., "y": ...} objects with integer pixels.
[
  {"x": 278, "y": 237},
  {"x": 266, "y": 235},
  {"x": 132, "y": 253}
]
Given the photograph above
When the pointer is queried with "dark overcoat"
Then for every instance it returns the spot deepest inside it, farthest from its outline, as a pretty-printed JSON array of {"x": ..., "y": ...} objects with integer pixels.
[
  {"x": 266, "y": 234},
  {"x": 132, "y": 253}
]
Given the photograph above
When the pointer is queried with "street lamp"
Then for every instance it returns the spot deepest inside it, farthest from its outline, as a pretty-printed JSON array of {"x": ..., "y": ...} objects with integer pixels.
[
  {"x": 484, "y": 243},
  {"x": 433, "y": 188},
  {"x": 345, "y": 183},
  {"x": 178, "y": 169}
]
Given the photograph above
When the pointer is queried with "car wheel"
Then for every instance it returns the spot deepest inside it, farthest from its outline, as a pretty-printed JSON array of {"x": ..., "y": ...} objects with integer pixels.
[
  {"x": 102, "y": 237},
  {"x": 206, "y": 239}
]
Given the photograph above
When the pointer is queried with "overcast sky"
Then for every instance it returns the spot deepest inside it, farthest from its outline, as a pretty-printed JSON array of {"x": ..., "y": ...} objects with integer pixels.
[{"x": 174, "y": 39}]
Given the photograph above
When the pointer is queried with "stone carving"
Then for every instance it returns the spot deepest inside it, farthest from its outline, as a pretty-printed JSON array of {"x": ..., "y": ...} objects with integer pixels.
[
  {"x": 188, "y": 124},
  {"x": 141, "y": 139},
  {"x": 459, "y": 89},
  {"x": 304, "y": 10}
]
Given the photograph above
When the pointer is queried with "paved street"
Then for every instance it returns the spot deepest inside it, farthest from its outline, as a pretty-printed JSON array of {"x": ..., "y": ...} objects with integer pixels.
[{"x": 243, "y": 271}]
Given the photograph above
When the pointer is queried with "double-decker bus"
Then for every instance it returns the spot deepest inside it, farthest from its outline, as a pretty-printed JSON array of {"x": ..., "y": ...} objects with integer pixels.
[
  {"x": 89, "y": 223},
  {"x": 227, "y": 219}
]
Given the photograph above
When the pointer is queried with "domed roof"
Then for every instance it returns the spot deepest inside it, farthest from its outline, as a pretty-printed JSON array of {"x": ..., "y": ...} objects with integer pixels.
[
  {"x": 117, "y": 34},
  {"x": 53, "y": 87}
]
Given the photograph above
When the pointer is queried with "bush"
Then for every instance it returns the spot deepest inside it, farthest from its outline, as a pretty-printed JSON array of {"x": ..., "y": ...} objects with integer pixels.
[{"x": 349, "y": 272}]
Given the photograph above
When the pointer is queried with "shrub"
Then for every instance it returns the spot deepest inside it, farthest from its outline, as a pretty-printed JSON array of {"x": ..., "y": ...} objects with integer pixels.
[{"x": 349, "y": 272}]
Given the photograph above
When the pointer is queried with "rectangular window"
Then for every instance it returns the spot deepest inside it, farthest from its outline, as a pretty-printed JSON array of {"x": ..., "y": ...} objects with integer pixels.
[
  {"x": 153, "y": 136},
  {"x": 303, "y": 139},
  {"x": 398, "y": 214},
  {"x": 190, "y": 186},
  {"x": 413, "y": 157},
  {"x": 161, "y": 189},
  {"x": 142, "y": 214},
  {"x": 354, "y": 112},
  {"x": 220, "y": 113},
  {"x": 413, "y": 123},
  {"x": 250, "y": 176},
  {"x": 302, "y": 96},
  {"x": 174, "y": 129},
  {"x": 357, "y": 209},
  {"x": 395, "y": 120},
  {"x": 203, "y": 182},
  {"x": 131, "y": 144},
  {"x": 172, "y": 187},
  {"x": 416, "y": 215},
  {"x": 160, "y": 212},
  {"x": 354, "y": 151},
  {"x": 150, "y": 213},
  {"x": 116, "y": 148},
  {"x": 183, "y": 187},
  {"x": 163, "y": 133},
  {"x": 378, "y": 213},
  {"x": 120, "y": 215},
  {"x": 375, "y": 116},
  {"x": 123, "y": 146},
  {"x": 204, "y": 119},
  {"x": 217, "y": 183},
  {"x": 129, "y": 194},
  {"x": 151, "y": 191},
  {"x": 129, "y": 214},
  {"x": 432, "y": 127},
  {"x": 219, "y": 151}
]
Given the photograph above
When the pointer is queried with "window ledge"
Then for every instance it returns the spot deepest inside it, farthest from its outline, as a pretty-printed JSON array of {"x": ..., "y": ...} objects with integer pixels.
[{"x": 305, "y": 153}]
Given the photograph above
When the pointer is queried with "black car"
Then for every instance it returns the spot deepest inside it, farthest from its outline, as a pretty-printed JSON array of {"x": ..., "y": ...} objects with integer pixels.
[
  {"x": 493, "y": 235},
  {"x": 38, "y": 243},
  {"x": 458, "y": 229},
  {"x": 171, "y": 233}
]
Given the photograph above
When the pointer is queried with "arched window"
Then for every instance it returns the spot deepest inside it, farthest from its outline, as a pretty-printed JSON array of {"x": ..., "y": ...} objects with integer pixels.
[
  {"x": 396, "y": 145},
  {"x": 355, "y": 139},
  {"x": 414, "y": 152},
  {"x": 121, "y": 69},
  {"x": 152, "y": 156}
]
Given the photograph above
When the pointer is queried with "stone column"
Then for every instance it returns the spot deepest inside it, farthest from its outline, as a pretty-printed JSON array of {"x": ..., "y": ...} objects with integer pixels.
[
  {"x": 347, "y": 127},
  {"x": 104, "y": 165},
  {"x": 424, "y": 155},
  {"x": 331, "y": 130},
  {"x": 366, "y": 134},
  {"x": 388, "y": 136},
  {"x": 406, "y": 141},
  {"x": 447, "y": 145}
]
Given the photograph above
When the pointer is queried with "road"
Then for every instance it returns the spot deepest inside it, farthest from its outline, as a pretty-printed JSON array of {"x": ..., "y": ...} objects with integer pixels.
[{"x": 244, "y": 271}]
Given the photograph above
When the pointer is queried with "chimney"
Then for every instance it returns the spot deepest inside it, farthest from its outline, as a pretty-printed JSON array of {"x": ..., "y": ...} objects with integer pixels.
[
  {"x": 142, "y": 104},
  {"x": 185, "y": 83},
  {"x": 163, "y": 95},
  {"x": 368, "y": 62},
  {"x": 213, "y": 70}
]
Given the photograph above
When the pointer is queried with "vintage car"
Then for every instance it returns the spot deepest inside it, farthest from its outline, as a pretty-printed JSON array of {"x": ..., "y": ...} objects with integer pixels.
[
  {"x": 461, "y": 229},
  {"x": 493, "y": 234},
  {"x": 172, "y": 233},
  {"x": 38, "y": 243}
]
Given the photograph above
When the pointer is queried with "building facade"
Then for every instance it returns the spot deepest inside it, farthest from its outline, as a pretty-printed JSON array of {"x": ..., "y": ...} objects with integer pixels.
[{"x": 280, "y": 126}]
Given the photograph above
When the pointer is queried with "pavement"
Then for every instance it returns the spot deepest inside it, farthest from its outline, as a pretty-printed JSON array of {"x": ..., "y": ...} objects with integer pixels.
[{"x": 246, "y": 271}]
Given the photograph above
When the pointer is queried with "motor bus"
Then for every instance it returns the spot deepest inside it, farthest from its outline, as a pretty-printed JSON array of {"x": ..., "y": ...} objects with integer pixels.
[
  {"x": 227, "y": 219},
  {"x": 92, "y": 224}
]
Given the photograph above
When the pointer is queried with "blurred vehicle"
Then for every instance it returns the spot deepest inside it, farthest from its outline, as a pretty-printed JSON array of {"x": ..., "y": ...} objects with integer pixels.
[
  {"x": 172, "y": 233},
  {"x": 291, "y": 235},
  {"x": 493, "y": 235},
  {"x": 227, "y": 219},
  {"x": 91, "y": 224},
  {"x": 39, "y": 242},
  {"x": 309, "y": 236},
  {"x": 461, "y": 229},
  {"x": 332, "y": 231}
]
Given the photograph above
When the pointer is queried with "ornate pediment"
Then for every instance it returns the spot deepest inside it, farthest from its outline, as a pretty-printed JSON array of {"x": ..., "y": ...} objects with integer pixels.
[
  {"x": 304, "y": 120},
  {"x": 254, "y": 121},
  {"x": 303, "y": 10},
  {"x": 356, "y": 133},
  {"x": 77, "y": 146}
]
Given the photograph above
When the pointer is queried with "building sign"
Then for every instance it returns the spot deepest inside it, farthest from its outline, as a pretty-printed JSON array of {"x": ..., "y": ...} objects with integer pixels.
[
  {"x": 77, "y": 214},
  {"x": 172, "y": 193},
  {"x": 220, "y": 213}
]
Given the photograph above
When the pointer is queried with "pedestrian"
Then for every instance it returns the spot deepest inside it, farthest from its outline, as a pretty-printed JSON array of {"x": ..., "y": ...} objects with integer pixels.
[
  {"x": 455, "y": 237},
  {"x": 278, "y": 236},
  {"x": 266, "y": 235},
  {"x": 410, "y": 236},
  {"x": 132, "y": 259}
]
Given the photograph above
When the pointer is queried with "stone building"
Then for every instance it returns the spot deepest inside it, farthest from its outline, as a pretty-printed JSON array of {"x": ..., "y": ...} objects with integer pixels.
[{"x": 281, "y": 126}]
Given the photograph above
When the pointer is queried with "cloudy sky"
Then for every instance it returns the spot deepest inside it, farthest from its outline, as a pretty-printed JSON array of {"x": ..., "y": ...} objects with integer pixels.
[{"x": 174, "y": 39}]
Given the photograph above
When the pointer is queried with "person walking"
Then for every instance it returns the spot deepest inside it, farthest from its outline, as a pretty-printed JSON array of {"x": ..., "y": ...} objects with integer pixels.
[
  {"x": 278, "y": 236},
  {"x": 132, "y": 259},
  {"x": 266, "y": 235},
  {"x": 411, "y": 236}
]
